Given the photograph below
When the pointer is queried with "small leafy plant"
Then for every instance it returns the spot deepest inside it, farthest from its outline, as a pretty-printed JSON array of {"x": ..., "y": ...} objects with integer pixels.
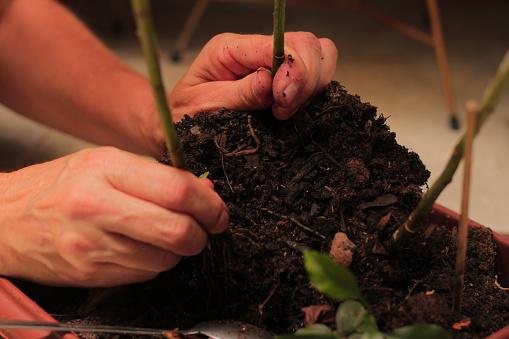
[{"x": 354, "y": 319}]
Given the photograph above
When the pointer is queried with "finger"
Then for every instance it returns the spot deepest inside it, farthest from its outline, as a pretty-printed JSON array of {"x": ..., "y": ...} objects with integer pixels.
[
  {"x": 252, "y": 92},
  {"x": 124, "y": 251},
  {"x": 207, "y": 182},
  {"x": 176, "y": 190},
  {"x": 231, "y": 56},
  {"x": 109, "y": 275},
  {"x": 77, "y": 251},
  {"x": 150, "y": 224},
  {"x": 329, "y": 62},
  {"x": 297, "y": 78}
]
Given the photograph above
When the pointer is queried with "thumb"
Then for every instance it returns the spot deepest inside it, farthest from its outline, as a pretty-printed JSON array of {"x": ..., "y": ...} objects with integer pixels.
[{"x": 252, "y": 92}]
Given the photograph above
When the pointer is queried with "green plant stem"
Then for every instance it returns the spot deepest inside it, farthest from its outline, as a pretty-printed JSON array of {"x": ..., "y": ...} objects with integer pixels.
[
  {"x": 279, "y": 35},
  {"x": 414, "y": 223},
  {"x": 147, "y": 37}
]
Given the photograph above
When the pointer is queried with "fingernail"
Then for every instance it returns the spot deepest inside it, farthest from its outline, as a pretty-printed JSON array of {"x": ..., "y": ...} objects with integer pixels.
[
  {"x": 223, "y": 221},
  {"x": 290, "y": 93},
  {"x": 261, "y": 73},
  {"x": 207, "y": 182},
  {"x": 263, "y": 69}
]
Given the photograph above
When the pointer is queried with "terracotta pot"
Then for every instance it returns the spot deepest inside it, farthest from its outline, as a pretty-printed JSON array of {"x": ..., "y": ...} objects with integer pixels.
[{"x": 16, "y": 305}]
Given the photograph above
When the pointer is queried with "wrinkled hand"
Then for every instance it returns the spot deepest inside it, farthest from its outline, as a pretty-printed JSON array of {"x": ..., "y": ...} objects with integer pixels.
[
  {"x": 232, "y": 71},
  {"x": 103, "y": 217}
]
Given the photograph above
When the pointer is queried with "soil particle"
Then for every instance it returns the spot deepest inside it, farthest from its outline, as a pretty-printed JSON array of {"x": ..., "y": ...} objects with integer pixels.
[
  {"x": 357, "y": 170},
  {"x": 334, "y": 167},
  {"x": 341, "y": 250},
  {"x": 318, "y": 314}
]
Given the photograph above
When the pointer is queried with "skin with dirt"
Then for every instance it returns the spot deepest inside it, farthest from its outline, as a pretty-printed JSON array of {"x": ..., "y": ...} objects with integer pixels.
[{"x": 334, "y": 167}]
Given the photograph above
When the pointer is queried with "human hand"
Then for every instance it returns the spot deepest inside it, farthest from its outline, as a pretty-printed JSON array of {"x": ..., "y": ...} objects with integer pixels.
[
  {"x": 103, "y": 217},
  {"x": 232, "y": 71}
]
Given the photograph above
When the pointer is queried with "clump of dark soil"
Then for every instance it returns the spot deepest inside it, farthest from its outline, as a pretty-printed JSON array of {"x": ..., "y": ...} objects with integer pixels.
[{"x": 335, "y": 167}]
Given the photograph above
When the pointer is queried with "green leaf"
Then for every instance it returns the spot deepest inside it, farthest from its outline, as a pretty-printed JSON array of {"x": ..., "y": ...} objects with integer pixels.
[
  {"x": 420, "y": 332},
  {"x": 352, "y": 317},
  {"x": 367, "y": 335},
  {"x": 315, "y": 331},
  {"x": 333, "y": 280},
  {"x": 308, "y": 336},
  {"x": 369, "y": 326},
  {"x": 204, "y": 175}
]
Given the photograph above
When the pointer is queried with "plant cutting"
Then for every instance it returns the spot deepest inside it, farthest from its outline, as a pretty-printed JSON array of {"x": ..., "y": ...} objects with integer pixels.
[
  {"x": 462, "y": 237},
  {"x": 279, "y": 35},
  {"x": 147, "y": 36},
  {"x": 353, "y": 318},
  {"x": 415, "y": 220}
]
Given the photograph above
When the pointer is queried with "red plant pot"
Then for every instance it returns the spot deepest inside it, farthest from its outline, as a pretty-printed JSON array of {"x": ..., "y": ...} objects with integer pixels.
[
  {"x": 443, "y": 215},
  {"x": 15, "y": 305}
]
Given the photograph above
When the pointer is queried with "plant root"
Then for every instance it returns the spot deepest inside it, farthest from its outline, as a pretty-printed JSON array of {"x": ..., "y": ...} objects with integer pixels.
[
  {"x": 267, "y": 299},
  {"x": 238, "y": 153},
  {"x": 295, "y": 221}
]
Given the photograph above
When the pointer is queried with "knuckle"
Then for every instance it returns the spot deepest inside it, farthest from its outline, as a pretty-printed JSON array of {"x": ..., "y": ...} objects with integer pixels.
[
  {"x": 218, "y": 38},
  {"x": 329, "y": 46},
  {"x": 181, "y": 192},
  {"x": 76, "y": 245},
  {"x": 94, "y": 161},
  {"x": 99, "y": 156},
  {"x": 308, "y": 36},
  {"x": 180, "y": 230},
  {"x": 80, "y": 204},
  {"x": 184, "y": 235},
  {"x": 309, "y": 40},
  {"x": 218, "y": 44},
  {"x": 224, "y": 56},
  {"x": 327, "y": 42}
]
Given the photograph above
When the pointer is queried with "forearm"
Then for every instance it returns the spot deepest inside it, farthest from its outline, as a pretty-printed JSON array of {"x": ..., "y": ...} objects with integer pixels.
[
  {"x": 6, "y": 254},
  {"x": 54, "y": 70}
]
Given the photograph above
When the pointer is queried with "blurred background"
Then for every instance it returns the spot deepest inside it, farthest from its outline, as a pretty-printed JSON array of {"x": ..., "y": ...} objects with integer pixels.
[{"x": 394, "y": 69}]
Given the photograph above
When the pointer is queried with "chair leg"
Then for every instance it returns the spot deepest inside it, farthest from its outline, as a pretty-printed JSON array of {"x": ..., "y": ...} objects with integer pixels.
[
  {"x": 441, "y": 56},
  {"x": 189, "y": 27}
]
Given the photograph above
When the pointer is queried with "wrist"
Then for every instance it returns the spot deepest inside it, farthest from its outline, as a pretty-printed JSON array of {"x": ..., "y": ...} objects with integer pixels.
[
  {"x": 6, "y": 254},
  {"x": 135, "y": 116},
  {"x": 152, "y": 132}
]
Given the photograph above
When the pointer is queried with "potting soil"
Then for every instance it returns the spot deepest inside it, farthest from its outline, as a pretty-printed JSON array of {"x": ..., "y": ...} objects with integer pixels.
[{"x": 334, "y": 167}]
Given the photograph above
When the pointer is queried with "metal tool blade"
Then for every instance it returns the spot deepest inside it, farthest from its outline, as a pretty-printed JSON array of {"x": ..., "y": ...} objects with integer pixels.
[{"x": 212, "y": 329}]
